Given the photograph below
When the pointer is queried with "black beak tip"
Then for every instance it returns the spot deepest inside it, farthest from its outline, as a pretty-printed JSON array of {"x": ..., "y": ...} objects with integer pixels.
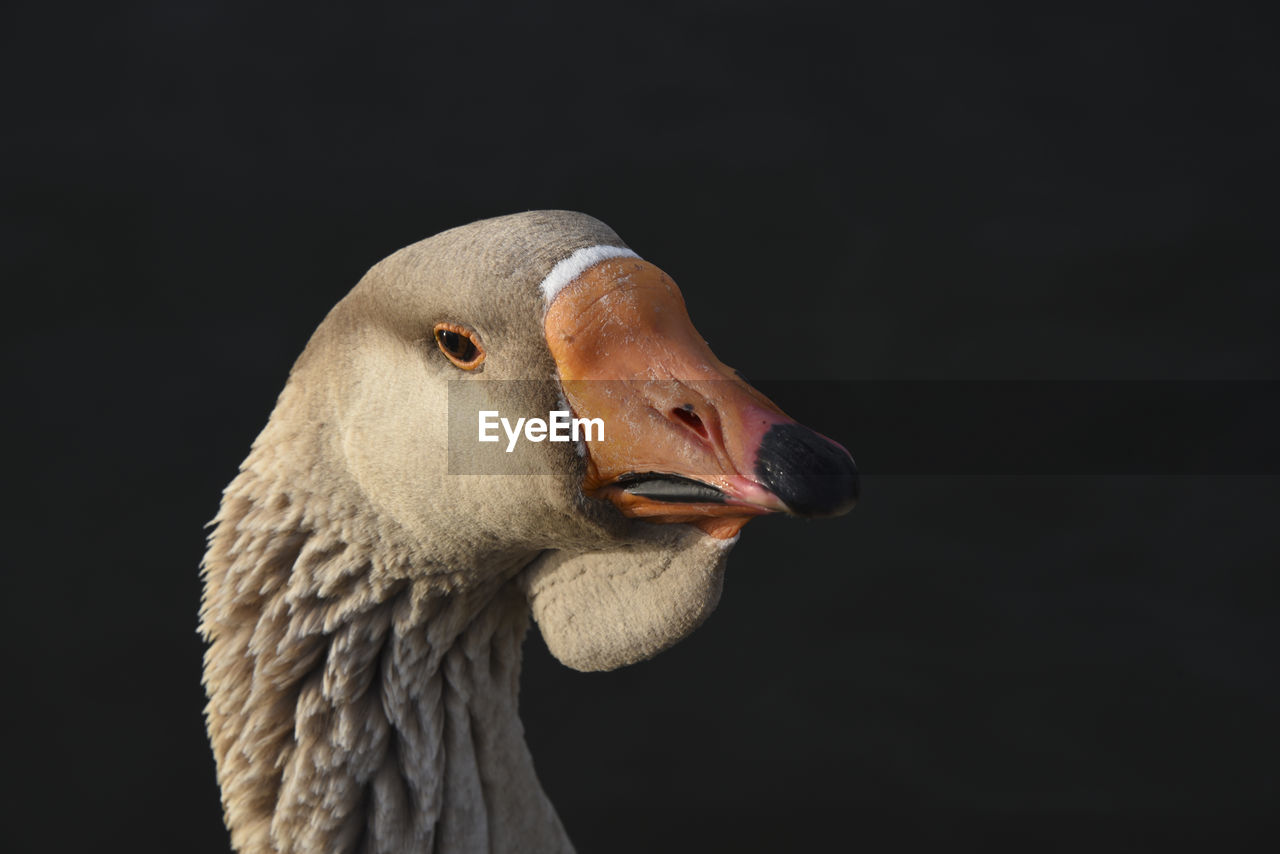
[{"x": 811, "y": 474}]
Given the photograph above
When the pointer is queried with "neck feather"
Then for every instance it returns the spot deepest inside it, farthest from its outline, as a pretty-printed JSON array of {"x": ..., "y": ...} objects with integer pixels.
[{"x": 356, "y": 704}]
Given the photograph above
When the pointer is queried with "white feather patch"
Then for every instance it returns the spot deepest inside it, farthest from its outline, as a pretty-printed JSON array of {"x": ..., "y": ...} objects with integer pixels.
[{"x": 570, "y": 268}]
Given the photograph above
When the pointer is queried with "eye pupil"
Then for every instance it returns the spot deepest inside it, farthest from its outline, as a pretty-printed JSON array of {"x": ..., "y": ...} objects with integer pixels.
[
  {"x": 451, "y": 341},
  {"x": 458, "y": 346}
]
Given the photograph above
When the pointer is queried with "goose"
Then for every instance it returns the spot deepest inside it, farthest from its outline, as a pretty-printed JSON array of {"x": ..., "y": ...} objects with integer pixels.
[{"x": 368, "y": 582}]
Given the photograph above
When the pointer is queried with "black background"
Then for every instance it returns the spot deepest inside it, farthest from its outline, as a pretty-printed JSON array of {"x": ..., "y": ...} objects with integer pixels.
[{"x": 908, "y": 190}]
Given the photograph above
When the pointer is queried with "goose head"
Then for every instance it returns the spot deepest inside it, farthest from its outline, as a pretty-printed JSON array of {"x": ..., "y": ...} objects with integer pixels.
[
  {"x": 622, "y": 540},
  {"x": 373, "y": 565}
]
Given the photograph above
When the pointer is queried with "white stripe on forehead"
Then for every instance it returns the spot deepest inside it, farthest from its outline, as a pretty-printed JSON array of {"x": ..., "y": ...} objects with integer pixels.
[{"x": 573, "y": 266}]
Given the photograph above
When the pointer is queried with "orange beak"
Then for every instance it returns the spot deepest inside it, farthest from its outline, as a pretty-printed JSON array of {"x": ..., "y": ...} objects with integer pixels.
[{"x": 686, "y": 440}]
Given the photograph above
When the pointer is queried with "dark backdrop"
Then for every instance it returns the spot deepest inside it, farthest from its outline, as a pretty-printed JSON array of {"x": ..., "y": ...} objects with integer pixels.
[{"x": 892, "y": 191}]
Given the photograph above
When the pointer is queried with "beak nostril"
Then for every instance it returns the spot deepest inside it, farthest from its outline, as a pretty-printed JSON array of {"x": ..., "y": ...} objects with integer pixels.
[{"x": 690, "y": 419}]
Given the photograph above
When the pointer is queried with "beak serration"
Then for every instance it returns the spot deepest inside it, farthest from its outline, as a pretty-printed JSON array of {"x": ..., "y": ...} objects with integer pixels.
[{"x": 670, "y": 487}]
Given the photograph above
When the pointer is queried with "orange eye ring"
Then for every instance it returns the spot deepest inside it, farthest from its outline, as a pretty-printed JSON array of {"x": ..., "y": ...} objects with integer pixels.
[{"x": 460, "y": 345}]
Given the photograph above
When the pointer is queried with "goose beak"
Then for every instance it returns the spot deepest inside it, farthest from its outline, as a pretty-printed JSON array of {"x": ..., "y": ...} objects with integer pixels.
[{"x": 686, "y": 440}]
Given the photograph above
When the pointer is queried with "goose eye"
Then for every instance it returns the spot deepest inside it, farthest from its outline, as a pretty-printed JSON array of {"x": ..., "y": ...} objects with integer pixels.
[{"x": 459, "y": 345}]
